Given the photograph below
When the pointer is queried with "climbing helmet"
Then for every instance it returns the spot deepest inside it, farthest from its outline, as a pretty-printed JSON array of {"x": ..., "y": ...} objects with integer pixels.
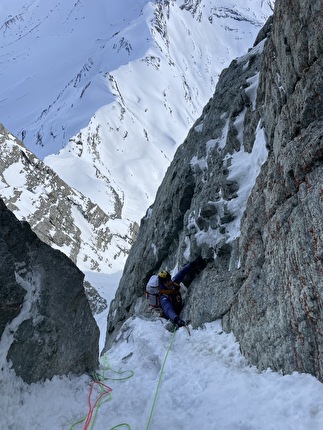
[{"x": 164, "y": 275}]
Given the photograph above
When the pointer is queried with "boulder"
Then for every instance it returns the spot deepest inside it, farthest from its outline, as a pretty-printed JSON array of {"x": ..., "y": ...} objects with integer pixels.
[{"x": 47, "y": 325}]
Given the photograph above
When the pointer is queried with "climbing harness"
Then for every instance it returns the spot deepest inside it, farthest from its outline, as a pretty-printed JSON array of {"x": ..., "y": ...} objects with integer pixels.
[{"x": 104, "y": 396}]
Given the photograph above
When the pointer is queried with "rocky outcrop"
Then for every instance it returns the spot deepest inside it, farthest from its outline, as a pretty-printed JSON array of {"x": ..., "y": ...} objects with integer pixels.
[
  {"x": 46, "y": 322},
  {"x": 256, "y": 219}
]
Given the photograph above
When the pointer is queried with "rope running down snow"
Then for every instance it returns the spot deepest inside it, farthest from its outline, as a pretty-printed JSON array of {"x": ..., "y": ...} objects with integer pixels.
[
  {"x": 104, "y": 391},
  {"x": 160, "y": 378}
]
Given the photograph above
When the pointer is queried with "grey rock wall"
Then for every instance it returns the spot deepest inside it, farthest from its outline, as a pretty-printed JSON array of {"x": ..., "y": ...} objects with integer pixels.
[
  {"x": 46, "y": 321},
  {"x": 277, "y": 314},
  {"x": 197, "y": 206},
  {"x": 265, "y": 284}
]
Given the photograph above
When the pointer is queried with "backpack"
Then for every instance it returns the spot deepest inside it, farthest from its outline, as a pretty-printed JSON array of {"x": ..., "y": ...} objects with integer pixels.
[{"x": 152, "y": 292}]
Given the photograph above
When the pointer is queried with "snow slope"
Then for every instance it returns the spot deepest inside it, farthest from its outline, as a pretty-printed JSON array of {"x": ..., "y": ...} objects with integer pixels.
[
  {"x": 48, "y": 50},
  {"x": 205, "y": 384}
]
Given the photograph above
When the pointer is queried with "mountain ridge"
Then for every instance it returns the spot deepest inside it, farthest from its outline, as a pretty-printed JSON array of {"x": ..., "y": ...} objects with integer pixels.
[{"x": 29, "y": 186}]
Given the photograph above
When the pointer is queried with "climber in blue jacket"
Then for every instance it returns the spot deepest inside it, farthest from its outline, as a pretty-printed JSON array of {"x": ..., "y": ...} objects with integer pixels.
[{"x": 169, "y": 295}]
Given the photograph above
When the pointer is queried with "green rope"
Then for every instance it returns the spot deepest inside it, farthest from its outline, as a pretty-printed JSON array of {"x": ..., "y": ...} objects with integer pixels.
[
  {"x": 129, "y": 374},
  {"x": 160, "y": 378},
  {"x": 107, "y": 368},
  {"x": 77, "y": 422},
  {"x": 98, "y": 377},
  {"x": 102, "y": 377}
]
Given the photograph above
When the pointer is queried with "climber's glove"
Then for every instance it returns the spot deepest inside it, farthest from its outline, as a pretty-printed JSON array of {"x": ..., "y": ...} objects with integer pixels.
[{"x": 179, "y": 323}]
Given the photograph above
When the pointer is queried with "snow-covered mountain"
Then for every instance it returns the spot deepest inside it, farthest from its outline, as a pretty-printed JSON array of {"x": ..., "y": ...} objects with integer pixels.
[
  {"x": 60, "y": 215},
  {"x": 115, "y": 87}
]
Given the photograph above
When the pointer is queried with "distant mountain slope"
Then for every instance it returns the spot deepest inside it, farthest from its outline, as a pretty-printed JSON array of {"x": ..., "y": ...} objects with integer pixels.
[
  {"x": 117, "y": 86},
  {"x": 61, "y": 216},
  {"x": 62, "y": 61},
  {"x": 156, "y": 99}
]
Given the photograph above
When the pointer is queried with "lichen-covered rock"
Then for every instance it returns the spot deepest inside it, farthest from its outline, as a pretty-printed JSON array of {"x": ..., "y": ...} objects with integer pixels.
[{"x": 47, "y": 326}]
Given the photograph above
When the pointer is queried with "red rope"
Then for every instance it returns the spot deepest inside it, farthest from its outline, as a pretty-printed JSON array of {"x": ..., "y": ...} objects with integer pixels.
[{"x": 106, "y": 390}]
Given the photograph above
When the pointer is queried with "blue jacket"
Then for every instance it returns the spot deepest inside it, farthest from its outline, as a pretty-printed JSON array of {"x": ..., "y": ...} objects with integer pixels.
[{"x": 168, "y": 302}]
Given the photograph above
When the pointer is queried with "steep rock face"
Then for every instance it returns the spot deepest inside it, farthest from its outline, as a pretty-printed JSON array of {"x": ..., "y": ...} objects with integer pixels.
[
  {"x": 264, "y": 281},
  {"x": 46, "y": 321},
  {"x": 277, "y": 314},
  {"x": 197, "y": 207}
]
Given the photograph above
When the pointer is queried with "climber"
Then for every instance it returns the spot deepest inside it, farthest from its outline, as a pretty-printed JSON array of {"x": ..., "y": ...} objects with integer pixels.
[{"x": 164, "y": 291}]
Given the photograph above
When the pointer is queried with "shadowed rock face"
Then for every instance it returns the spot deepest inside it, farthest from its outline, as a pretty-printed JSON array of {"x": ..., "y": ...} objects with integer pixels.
[
  {"x": 47, "y": 325},
  {"x": 277, "y": 314},
  {"x": 267, "y": 284}
]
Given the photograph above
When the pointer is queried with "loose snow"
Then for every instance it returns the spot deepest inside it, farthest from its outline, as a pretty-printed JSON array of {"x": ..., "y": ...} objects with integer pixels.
[
  {"x": 178, "y": 381},
  {"x": 201, "y": 381}
]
